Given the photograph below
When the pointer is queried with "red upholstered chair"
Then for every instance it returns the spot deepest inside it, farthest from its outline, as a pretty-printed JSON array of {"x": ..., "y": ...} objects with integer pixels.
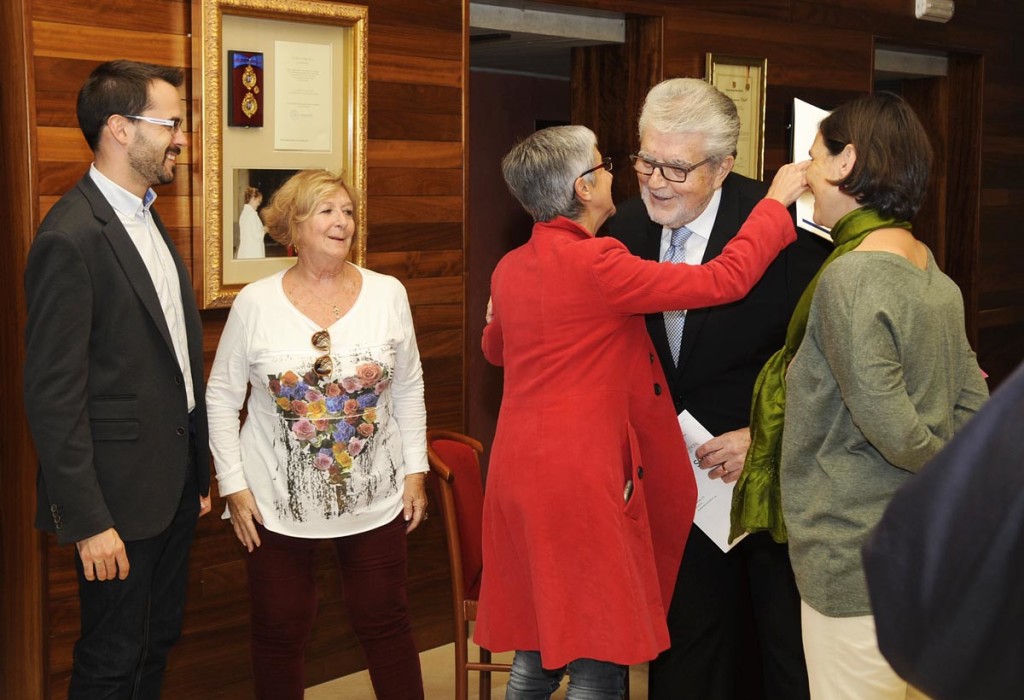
[{"x": 455, "y": 459}]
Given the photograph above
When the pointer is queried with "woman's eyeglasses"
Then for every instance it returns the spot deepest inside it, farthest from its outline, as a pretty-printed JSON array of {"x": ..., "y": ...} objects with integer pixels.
[
  {"x": 605, "y": 163},
  {"x": 323, "y": 365}
]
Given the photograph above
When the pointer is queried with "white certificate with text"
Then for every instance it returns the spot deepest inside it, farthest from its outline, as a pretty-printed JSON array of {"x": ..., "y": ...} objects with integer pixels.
[
  {"x": 714, "y": 496},
  {"x": 302, "y": 100}
]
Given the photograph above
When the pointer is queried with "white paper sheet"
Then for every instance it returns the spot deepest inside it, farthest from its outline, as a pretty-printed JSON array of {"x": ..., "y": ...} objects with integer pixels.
[
  {"x": 806, "y": 118},
  {"x": 304, "y": 96},
  {"x": 714, "y": 496}
]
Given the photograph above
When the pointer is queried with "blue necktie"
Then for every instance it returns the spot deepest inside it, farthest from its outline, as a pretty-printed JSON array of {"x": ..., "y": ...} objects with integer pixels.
[{"x": 674, "y": 320}]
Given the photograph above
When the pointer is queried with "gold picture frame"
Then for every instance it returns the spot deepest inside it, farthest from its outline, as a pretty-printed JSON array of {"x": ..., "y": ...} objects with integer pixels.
[
  {"x": 744, "y": 79},
  {"x": 314, "y": 97}
]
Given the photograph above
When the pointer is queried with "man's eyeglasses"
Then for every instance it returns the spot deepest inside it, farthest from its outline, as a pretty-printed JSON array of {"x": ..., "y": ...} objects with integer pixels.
[
  {"x": 173, "y": 124},
  {"x": 672, "y": 173},
  {"x": 323, "y": 365}
]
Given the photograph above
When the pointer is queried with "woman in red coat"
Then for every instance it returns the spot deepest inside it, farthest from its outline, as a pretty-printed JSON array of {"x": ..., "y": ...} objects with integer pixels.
[{"x": 589, "y": 494}]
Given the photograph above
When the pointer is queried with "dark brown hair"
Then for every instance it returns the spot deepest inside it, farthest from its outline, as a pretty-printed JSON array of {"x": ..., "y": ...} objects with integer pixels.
[
  {"x": 118, "y": 87},
  {"x": 894, "y": 157}
]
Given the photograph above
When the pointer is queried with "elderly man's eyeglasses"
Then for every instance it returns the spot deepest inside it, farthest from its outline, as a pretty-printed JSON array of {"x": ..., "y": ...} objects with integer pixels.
[
  {"x": 669, "y": 171},
  {"x": 323, "y": 365},
  {"x": 173, "y": 124}
]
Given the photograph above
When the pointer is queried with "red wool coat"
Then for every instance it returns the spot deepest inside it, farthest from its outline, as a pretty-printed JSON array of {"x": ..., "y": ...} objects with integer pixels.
[{"x": 572, "y": 569}]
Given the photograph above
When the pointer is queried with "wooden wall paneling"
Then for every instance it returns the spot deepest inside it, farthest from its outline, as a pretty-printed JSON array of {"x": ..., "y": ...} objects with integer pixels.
[
  {"x": 171, "y": 16},
  {"x": 816, "y": 49},
  {"x": 444, "y": 235},
  {"x": 420, "y": 181},
  {"x": 101, "y": 42},
  {"x": 22, "y": 554}
]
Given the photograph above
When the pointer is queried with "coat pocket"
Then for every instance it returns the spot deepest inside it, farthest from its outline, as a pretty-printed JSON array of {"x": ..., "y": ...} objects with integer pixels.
[
  {"x": 633, "y": 477},
  {"x": 114, "y": 418}
]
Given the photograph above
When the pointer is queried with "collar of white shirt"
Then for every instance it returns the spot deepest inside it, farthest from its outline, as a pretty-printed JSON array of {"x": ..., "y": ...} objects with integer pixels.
[{"x": 123, "y": 201}]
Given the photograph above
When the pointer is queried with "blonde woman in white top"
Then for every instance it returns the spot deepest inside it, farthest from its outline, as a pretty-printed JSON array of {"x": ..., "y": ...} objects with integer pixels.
[{"x": 333, "y": 446}]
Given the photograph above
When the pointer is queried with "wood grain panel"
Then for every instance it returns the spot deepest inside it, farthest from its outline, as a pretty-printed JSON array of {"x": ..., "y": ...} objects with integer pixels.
[
  {"x": 56, "y": 109},
  {"x": 118, "y": 14},
  {"x": 413, "y": 154},
  {"x": 416, "y": 41},
  {"x": 411, "y": 124},
  {"x": 421, "y": 99},
  {"x": 439, "y": 343},
  {"x": 422, "y": 181},
  {"x": 414, "y": 69},
  {"x": 418, "y": 236},
  {"x": 434, "y": 15},
  {"x": 390, "y": 210},
  {"x": 443, "y": 370},
  {"x": 62, "y": 75},
  {"x": 417, "y": 264},
  {"x": 438, "y": 290},
  {"x": 101, "y": 43}
]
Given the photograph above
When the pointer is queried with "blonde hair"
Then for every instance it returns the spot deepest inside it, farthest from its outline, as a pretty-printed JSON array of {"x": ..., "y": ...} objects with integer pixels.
[{"x": 296, "y": 199}]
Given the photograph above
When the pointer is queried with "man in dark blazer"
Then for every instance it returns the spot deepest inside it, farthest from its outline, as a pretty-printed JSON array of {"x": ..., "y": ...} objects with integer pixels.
[
  {"x": 735, "y": 617},
  {"x": 114, "y": 384}
]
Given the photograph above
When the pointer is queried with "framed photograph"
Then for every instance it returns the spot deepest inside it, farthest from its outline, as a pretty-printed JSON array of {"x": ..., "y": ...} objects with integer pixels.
[
  {"x": 297, "y": 70},
  {"x": 744, "y": 79}
]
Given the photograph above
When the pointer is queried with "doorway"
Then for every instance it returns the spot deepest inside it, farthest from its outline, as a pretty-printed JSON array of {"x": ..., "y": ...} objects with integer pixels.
[{"x": 945, "y": 90}]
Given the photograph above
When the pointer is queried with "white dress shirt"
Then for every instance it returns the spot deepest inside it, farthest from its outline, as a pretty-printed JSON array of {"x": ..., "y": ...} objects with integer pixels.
[{"x": 134, "y": 213}]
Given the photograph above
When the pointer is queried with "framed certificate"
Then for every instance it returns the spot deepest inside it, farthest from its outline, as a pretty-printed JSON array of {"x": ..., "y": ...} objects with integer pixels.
[
  {"x": 281, "y": 86},
  {"x": 744, "y": 80}
]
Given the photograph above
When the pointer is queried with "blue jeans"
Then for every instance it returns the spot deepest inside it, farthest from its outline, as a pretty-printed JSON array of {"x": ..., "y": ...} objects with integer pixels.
[
  {"x": 129, "y": 626},
  {"x": 588, "y": 679}
]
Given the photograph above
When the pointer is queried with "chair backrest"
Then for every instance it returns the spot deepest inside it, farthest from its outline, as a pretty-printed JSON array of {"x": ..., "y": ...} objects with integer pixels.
[{"x": 455, "y": 459}]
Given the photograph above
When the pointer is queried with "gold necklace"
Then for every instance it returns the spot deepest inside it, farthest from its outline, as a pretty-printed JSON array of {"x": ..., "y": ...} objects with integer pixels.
[{"x": 307, "y": 293}]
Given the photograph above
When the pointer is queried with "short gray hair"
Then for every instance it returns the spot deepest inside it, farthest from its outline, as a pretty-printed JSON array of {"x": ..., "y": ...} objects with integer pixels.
[
  {"x": 542, "y": 169},
  {"x": 689, "y": 105}
]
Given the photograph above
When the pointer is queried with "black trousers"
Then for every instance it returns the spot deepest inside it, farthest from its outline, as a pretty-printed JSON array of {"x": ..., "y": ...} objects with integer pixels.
[
  {"x": 734, "y": 623},
  {"x": 129, "y": 626}
]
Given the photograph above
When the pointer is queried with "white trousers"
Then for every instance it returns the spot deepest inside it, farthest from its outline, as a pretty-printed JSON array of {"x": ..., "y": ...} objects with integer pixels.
[{"x": 844, "y": 662}]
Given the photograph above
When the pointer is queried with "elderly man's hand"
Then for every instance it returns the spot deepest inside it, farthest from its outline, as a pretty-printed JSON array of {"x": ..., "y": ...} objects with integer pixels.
[{"x": 724, "y": 455}]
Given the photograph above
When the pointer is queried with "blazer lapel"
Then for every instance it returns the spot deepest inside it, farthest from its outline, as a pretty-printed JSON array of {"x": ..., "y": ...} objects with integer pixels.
[{"x": 128, "y": 256}]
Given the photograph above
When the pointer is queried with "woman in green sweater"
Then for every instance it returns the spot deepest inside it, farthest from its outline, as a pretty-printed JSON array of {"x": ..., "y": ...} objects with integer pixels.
[{"x": 882, "y": 379}]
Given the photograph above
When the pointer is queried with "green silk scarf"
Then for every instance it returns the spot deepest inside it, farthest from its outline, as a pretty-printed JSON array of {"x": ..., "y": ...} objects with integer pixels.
[{"x": 757, "y": 498}]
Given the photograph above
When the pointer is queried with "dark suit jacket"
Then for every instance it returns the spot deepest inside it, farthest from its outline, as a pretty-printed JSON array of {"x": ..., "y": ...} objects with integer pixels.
[
  {"x": 724, "y": 347},
  {"x": 104, "y": 394}
]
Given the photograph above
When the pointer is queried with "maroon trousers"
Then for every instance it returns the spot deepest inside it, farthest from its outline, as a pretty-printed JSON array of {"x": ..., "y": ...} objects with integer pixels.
[{"x": 282, "y": 590}]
